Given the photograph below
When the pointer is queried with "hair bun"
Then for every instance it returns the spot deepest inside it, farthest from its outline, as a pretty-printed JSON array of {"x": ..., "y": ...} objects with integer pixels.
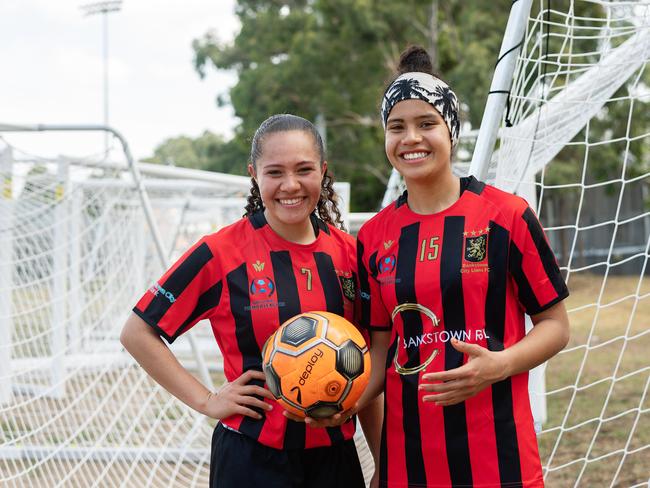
[{"x": 415, "y": 58}]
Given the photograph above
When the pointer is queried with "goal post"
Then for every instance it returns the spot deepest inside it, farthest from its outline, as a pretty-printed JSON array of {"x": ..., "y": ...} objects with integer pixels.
[
  {"x": 577, "y": 147},
  {"x": 75, "y": 253},
  {"x": 6, "y": 274}
]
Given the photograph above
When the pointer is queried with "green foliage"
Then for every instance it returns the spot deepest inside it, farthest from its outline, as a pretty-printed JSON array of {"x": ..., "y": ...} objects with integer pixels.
[
  {"x": 333, "y": 58},
  {"x": 208, "y": 152},
  {"x": 611, "y": 124}
]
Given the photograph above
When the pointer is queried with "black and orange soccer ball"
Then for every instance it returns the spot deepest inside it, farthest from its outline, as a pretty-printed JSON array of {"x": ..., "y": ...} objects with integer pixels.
[{"x": 316, "y": 364}]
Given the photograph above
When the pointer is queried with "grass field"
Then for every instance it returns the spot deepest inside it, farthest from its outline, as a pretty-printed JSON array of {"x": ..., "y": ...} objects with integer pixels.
[{"x": 616, "y": 334}]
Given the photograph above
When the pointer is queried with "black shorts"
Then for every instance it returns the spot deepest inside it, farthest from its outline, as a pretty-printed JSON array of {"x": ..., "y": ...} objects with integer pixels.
[{"x": 239, "y": 461}]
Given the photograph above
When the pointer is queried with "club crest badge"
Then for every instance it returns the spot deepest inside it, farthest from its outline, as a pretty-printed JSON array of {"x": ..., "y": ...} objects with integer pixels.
[{"x": 476, "y": 248}]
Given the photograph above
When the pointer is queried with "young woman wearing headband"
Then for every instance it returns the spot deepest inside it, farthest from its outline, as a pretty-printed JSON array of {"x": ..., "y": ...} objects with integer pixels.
[{"x": 447, "y": 272}]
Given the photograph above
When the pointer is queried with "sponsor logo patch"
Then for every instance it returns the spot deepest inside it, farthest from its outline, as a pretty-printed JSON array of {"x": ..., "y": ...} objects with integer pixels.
[
  {"x": 156, "y": 289},
  {"x": 262, "y": 286},
  {"x": 386, "y": 264}
]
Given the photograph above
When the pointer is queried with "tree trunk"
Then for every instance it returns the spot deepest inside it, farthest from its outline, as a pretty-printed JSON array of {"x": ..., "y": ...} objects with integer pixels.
[{"x": 433, "y": 36}]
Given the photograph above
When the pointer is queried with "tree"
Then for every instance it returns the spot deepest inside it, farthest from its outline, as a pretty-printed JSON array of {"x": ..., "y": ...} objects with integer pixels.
[
  {"x": 208, "y": 152},
  {"x": 332, "y": 59}
]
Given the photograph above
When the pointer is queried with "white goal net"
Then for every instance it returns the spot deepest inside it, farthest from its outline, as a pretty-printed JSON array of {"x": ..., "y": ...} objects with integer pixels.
[
  {"x": 76, "y": 252},
  {"x": 576, "y": 144}
]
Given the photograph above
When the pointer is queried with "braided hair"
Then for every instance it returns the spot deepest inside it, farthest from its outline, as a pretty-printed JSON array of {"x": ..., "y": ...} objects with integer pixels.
[{"x": 327, "y": 206}]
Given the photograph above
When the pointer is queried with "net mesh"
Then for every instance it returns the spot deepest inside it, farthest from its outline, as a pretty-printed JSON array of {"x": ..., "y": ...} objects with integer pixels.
[
  {"x": 75, "y": 253},
  {"x": 576, "y": 144}
]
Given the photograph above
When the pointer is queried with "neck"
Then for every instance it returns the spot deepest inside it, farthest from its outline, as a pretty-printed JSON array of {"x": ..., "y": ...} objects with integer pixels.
[
  {"x": 433, "y": 195},
  {"x": 299, "y": 233}
]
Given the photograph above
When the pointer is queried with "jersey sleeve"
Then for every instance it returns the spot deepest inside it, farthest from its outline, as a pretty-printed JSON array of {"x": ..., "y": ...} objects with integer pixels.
[
  {"x": 372, "y": 312},
  {"x": 533, "y": 266},
  {"x": 188, "y": 292}
]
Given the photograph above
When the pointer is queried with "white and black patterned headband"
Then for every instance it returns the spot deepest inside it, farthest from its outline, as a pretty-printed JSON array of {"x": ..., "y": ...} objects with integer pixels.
[{"x": 423, "y": 86}]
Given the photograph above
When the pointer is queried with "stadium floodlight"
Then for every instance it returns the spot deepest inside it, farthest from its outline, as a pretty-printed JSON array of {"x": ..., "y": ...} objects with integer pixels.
[{"x": 104, "y": 8}]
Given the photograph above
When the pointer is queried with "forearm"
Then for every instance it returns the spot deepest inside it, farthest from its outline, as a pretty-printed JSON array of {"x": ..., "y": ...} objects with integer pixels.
[
  {"x": 548, "y": 337},
  {"x": 141, "y": 341},
  {"x": 484, "y": 367},
  {"x": 378, "y": 351}
]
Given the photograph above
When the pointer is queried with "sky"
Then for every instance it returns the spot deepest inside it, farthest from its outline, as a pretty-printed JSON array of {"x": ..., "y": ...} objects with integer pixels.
[{"x": 52, "y": 72}]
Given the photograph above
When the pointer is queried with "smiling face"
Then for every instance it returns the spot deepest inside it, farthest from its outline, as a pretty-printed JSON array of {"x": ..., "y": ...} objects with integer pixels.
[
  {"x": 289, "y": 175},
  {"x": 418, "y": 143}
]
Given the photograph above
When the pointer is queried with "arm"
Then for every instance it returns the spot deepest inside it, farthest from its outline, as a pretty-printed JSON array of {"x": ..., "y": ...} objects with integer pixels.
[
  {"x": 483, "y": 368},
  {"x": 142, "y": 342},
  {"x": 379, "y": 344},
  {"x": 549, "y": 336}
]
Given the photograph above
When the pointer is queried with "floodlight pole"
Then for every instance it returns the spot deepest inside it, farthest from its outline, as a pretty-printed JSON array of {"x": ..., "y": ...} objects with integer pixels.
[{"x": 104, "y": 8}]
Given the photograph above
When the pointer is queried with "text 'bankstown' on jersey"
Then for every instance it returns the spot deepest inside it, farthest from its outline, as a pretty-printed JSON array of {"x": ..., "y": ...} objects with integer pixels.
[
  {"x": 247, "y": 280},
  {"x": 470, "y": 272}
]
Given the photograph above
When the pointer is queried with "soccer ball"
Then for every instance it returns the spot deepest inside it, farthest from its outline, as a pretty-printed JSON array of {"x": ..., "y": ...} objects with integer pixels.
[{"x": 316, "y": 364}]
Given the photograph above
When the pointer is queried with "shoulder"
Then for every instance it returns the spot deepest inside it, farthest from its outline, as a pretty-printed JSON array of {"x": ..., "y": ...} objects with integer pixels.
[
  {"x": 341, "y": 239},
  {"x": 508, "y": 205},
  {"x": 504, "y": 199},
  {"x": 339, "y": 235},
  {"x": 233, "y": 236}
]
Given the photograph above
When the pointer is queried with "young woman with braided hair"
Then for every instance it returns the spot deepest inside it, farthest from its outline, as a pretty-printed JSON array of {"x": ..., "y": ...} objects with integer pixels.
[
  {"x": 287, "y": 255},
  {"x": 326, "y": 207},
  {"x": 446, "y": 274}
]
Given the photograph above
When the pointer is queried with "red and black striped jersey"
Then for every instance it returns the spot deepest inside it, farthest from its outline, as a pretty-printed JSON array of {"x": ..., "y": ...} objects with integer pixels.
[
  {"x": 247, "y": 280},
  {"x": 471, "y": 271}
]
